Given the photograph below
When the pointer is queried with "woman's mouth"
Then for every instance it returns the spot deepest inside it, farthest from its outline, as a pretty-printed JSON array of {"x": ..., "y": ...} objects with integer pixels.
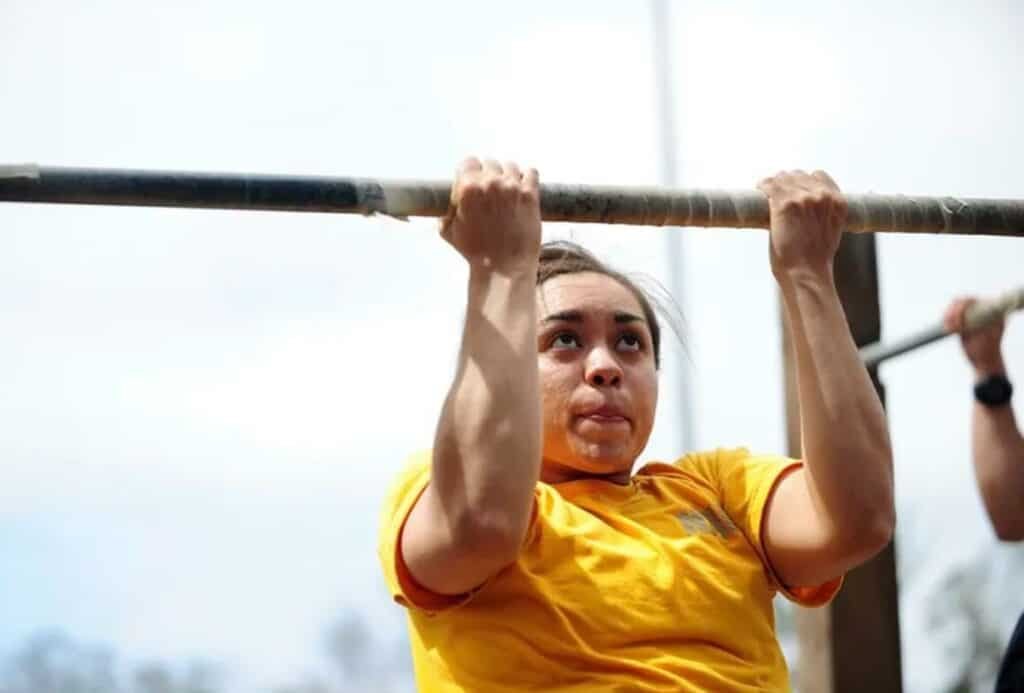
[{"x": 605, "y": 416}]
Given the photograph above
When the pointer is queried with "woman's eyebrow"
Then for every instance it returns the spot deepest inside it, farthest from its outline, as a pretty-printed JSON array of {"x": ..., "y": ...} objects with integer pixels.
[
  {"x": 623, "y": 317},
  {"x": 574, "y": 315},
  {"x": 565, "y": 316}
]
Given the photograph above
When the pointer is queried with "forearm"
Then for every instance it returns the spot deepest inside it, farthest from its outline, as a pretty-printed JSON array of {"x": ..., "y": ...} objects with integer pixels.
[
  {"x": 487, "y": 446},
  {"x": 846, "y": 445},
  {"x": 998, "y": 449}
]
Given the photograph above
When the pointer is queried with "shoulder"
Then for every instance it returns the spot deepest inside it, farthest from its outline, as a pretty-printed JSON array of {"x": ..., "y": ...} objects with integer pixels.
[{"x": 411, "y": 479}]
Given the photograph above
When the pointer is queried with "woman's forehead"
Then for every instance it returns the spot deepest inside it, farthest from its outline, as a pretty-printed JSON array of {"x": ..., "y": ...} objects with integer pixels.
[{"x": 588, "y": 292}]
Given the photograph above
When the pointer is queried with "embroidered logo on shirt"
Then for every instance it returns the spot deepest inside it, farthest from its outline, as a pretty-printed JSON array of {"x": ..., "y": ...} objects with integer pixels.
[{"x": 709, "y": 520}]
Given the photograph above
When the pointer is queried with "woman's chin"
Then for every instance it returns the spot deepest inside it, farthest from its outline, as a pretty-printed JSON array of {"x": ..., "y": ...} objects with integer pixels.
[{"x": 604, "y": 457}]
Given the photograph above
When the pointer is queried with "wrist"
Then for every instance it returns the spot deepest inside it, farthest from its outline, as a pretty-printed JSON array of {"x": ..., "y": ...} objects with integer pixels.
[
  {"x": 989, "y": 367},
  {"x": 517, "y": 265},
  {"x": 808, "y": 276},
  {"x": 486, "y": 272},
  {"x": 502, "y": 289}
]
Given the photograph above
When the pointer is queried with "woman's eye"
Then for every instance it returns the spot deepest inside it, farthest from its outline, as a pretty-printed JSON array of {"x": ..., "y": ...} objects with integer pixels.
[
  {"x": 565, "y": 341},
  {"x": 630, "y": 342}
]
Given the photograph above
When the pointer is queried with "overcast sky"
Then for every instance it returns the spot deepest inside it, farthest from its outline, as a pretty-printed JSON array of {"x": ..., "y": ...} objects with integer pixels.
[{"x": 201, "y": 409}]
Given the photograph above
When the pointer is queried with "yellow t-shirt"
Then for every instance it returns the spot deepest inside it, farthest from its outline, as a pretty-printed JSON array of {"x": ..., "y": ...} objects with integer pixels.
[{"x": 658, "y": 585}]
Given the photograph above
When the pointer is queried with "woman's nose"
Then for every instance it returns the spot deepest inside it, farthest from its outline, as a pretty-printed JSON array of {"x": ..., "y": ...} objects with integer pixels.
[{"x": 603, "y": 370}]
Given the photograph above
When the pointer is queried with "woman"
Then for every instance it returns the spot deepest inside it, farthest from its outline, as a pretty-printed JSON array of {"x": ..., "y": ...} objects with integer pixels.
[{"x": 527, "y": 553}]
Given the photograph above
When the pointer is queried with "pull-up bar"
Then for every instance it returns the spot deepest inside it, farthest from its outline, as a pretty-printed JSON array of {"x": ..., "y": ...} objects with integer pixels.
[
  {"x": 978, "y": 315},
  {"x": 559, "y": 202}
]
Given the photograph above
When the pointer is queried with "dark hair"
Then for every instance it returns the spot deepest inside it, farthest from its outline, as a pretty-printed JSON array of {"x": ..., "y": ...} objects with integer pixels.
[{"x": 566, "y": 257}]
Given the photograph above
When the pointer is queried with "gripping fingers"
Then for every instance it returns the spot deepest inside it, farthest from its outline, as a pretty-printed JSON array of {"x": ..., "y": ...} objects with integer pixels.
[
  {"x": 469, "y": 165},
  {"x": 469, "y": 169},
  {"x": 826, "y": 179},
  {"x": 512, "y": 171},
  {"x": 492, "y": 168},
  {"x": 767, "y": 186},
  {"x": 953, "y": 320},
  {"x": 531, "y": 181}
]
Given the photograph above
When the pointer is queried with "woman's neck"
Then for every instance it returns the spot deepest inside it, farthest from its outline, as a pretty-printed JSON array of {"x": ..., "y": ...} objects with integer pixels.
[{"x": 557, "y": 473}]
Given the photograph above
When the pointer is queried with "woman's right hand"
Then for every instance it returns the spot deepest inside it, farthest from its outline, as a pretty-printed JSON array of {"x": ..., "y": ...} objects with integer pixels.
[{"x": 494, "y": 217}]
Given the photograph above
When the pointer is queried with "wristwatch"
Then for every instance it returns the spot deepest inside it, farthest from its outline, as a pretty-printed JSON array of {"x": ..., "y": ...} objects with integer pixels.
[{"x": 993, "y": 390}]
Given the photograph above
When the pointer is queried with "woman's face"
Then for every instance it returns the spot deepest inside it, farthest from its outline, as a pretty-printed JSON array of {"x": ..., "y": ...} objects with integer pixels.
[{"x": 599, "y": 384}]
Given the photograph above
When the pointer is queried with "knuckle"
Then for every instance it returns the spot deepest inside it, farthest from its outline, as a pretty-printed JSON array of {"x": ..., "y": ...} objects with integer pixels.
[
  {"x": 790, "y": 204},
  {"x": 489, "y": 185},
  {"x": 471, "y": 190}
]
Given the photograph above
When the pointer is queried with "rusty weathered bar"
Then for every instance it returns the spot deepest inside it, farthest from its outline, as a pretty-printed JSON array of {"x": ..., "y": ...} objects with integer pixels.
[{"x": 560, "y": 202}]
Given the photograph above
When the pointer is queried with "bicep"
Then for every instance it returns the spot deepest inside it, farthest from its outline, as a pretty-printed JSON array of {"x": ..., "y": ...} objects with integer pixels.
[
  {"x": 445, "y": 559},
  {"x": 800, "y": 542}
]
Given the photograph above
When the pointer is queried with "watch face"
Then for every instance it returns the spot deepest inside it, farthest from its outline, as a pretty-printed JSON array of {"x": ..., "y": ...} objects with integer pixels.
[{"x": 993, "y": 390}]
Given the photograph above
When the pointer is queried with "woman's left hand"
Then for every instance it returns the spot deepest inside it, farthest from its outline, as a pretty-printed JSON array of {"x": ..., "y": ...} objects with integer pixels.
[{"x": 807, "y": 216}]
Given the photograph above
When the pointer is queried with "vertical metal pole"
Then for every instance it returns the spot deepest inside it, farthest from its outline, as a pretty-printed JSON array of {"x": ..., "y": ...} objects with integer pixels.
[
  {"x": 865, "y": 615},
  {"x": 862, "y": 626},
  {"x": 668, "y": 176}
]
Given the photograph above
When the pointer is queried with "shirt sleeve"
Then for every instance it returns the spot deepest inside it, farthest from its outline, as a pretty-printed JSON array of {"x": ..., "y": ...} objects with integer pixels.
[
  {"x": 401, "y": 498},
  {"x": 745, "y": 483}
]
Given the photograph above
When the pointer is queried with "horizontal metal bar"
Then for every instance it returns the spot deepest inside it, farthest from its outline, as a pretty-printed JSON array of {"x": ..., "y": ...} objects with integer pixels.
[
  {"x": 979, "y": 315},
  {"x": 559, "y": 202}
]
